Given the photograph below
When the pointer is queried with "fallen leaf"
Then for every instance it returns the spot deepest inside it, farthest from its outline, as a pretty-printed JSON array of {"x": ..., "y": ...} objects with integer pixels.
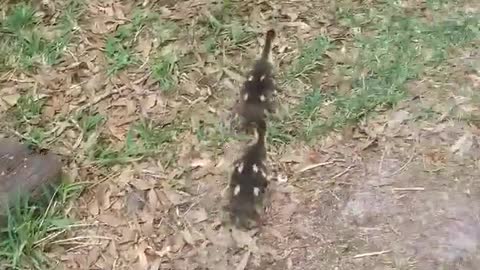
[
  {"x": 135, "y": 201},
  {"x": 178, "y": 242},
  {"x": 242, "y": 238},
  {"x": 197, "y": 215},
  {"x": 282, "y": 178},
  {"x": 233, "y": 75},
  {"x": 94, "y": 84},
  {"x": 11, "y": 100},
  {"x": 93, "y": 207},
  {"x": 155, "y": 265},
  {"x": 110, "y": 220},
  {"x": 148, "y": 102},
  {"x": 141, "y": 183},
  {"x": 152, "y": 199},
  {"x": 463, "y": 145},
  {"x": 397, "y": 118},
  {"x": 145, "y": 46},
  {"x": 142, "y": 257},
  {"x": 220, "y": 238},
  {"x": 200, "y": 162},
  {"x": 175, "y": 197},
  {"x": 243, "y": 263},
  {"x": 187, "y": 236}
]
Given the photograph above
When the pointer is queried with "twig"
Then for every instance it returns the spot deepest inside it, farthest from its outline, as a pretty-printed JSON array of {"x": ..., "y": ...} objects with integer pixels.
[
  {"x": 73, "y": 239},
  {"x": 409, "y": 189},
  {"x": 343, "y": 172},
  {"x": 369, "y": 254},
  {"x": 313, "y": 166},
  {"x": 100, "y": 98},
  {"x": 380, "y": 166},
  {"x": 403, "y": 167}
]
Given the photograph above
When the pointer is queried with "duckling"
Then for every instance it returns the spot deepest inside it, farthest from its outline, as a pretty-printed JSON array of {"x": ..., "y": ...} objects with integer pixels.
[
  {"x": 249, "y": 182},
  {"x": 258, "y": 89}
]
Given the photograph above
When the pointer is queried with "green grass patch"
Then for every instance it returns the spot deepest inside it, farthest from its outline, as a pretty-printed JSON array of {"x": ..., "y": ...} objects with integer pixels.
[
  {"x": 224, "y": 31},
  {"x": 90, "y": 123},
  {"x": 142, "y": 140},
  {"x": 28, "y": 108},
  {"x": 119, "y": 47},
  {"x": 214, "y": 135},
  {"x": 310, "y": 57},
  {"x": 305, "y": 123},
  {"x": 394, "y": 48},
  {"x": 164, "y": 69},
  {"x": 401, "y": 49},
  {"x": 23, "y": 43},
  {"x": 33, "y": 226}
]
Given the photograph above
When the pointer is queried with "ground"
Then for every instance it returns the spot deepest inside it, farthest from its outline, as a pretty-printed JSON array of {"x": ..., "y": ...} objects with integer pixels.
[{"x": 374, "y": 151}]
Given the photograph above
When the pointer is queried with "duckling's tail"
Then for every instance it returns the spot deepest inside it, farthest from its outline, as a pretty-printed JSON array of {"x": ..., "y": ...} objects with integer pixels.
[
  {"x": 268, "y": 44},
  {"x": 261, "y": 131}
]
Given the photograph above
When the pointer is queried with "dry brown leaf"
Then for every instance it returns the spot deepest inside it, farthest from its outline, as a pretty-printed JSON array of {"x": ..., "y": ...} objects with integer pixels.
[
  {"x": 197, "y": 215},
  {"x": 243, "y": 238},
  {"x": 94, "y": 84},
  {"x": 287, "y": 211},
  {"x": 152, "y": 199},
  {"x": 48, "y": 111},
  {"x": 187, "y": 236},
  {"x": 145, "y": 46},
  {"x": 111, "y": 220},
  {"x": 243, "y": 263},
  {"x": 475, "y": 80},
  {"x": 463, "y": 144},
  {"x": 102, "y": 195},
  {"x": 219, "y": 238},
  {"x": 200, "y": 162},
  {"x": 148, "y": 227},
  {"x": 234, "y": 75},
  {"x": 175, "y": 197},
  {"x": 177, "y": 242},
  {"x": 142, "y": 257},
  {"x": 11, "y": 100},
  {"x": 118, "y": 11},
  {"x": 156, "y": 264},
  {"x": 93, "y": 207},
  {"x": 397, "y": 118},
  {"x": 141, "y": 183},
  {"x": 148, "y": 102},
  {"x": 134, "y": 201},
  {"x": 118, "y": 132}
]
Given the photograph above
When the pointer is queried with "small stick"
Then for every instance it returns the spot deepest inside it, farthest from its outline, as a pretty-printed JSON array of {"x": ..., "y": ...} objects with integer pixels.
[
  {"x": 409, "y": 189},
  {"x": 403, "y": 167},
  {"x": 313, "y": 166},
  {"x": 343, "y": 172},
  {"x": 369, "y": 254}
]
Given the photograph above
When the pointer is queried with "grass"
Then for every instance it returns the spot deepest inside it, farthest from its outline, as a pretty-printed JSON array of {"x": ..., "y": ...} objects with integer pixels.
[
  {"x": 143, "y": 140},
  {"x": 25, "y": 45},
  {"x": 90, "y": 123},
  {"x": 28, "y": 108},
  {"x": 119, "y": 47},
  {"x": 394, "y": 48},
  {"x": 164, "y": 69},
  {"x": 224, "y": 30},
  {"x": 32, "y": 226},
  {"x": 27, "y": 115},
  {"x": 310, "y": 56}
]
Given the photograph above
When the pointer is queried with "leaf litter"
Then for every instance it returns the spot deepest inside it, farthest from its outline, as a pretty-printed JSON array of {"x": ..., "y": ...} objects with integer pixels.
[{"x": 152, "y": 216}]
